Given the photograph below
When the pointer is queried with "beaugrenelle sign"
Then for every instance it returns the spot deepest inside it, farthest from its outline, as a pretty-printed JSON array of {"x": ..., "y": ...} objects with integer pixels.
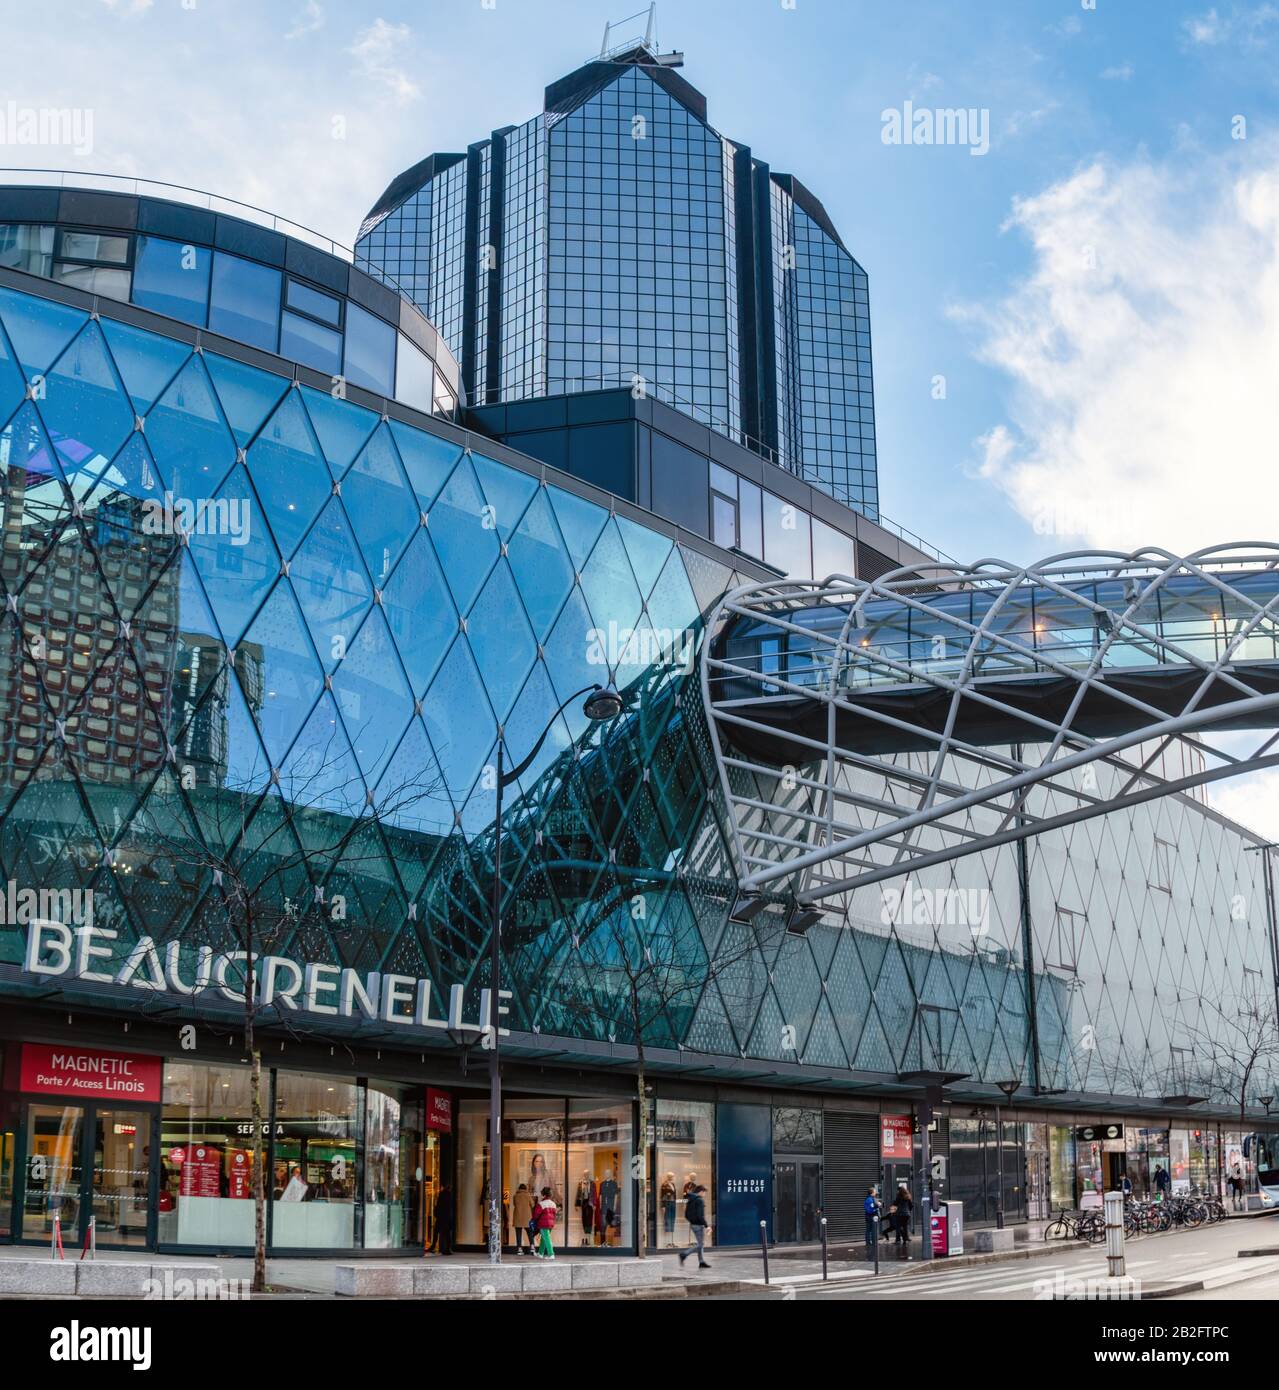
[{"x": 55, "y": 949}]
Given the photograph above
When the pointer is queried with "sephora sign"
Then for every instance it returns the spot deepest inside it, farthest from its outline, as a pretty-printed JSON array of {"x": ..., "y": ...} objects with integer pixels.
[{"x": 55, "y": 950}]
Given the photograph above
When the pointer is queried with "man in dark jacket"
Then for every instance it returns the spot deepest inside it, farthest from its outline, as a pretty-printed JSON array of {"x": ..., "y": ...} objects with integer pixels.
[
  {"x": 443, "y": 1237},
  {"x": 695, "y": 1215},
  {"x": 903, "y": 1206}
]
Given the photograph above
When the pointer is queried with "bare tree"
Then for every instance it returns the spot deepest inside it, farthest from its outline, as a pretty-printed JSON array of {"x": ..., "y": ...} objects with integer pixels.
[
  {"x": 262, "y": 862},
  {"x": 1235, "y": 1044}
]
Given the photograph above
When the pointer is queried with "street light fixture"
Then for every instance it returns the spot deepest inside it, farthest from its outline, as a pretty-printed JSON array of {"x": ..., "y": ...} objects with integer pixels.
[
  {"x": 603, "y": 702},
  {"x": 1009, "y": 1088}
]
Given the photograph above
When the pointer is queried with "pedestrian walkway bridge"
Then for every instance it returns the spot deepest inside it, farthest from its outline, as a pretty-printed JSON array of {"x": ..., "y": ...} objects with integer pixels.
[{"x": 1023, "y": 675}]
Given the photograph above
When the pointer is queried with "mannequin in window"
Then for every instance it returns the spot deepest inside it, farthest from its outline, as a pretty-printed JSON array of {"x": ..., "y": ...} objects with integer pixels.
[
  {"x": 610, "y": 1202},
  {"x": 669, "y": 1198},
  {"x": 584, "y": 1201}
]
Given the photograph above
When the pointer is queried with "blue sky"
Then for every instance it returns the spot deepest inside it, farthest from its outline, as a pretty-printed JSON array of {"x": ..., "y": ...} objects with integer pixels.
[{"x": 1100, "y": 291}]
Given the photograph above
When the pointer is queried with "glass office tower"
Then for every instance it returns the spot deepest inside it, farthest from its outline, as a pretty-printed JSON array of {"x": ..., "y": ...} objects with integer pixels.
[{"x": 618, "y": 239}]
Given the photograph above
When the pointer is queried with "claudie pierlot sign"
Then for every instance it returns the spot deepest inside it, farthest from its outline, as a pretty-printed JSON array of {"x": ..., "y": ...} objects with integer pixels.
[{"x": 56, "y": 950}]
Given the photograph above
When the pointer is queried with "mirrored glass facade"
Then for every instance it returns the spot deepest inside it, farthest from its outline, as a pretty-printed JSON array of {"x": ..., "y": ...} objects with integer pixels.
[
  {"x": 618, "y": 239},
  {"x": 249, "y": 623}
]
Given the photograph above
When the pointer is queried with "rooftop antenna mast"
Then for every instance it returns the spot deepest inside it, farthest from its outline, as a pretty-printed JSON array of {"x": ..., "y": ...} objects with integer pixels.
[{"x": 611, "y": 46}]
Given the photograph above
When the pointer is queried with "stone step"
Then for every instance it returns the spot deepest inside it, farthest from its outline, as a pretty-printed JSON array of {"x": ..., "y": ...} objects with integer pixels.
[{"x": 427, "y": 1280}]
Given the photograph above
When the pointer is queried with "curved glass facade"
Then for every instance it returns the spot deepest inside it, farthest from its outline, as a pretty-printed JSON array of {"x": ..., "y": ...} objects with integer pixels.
[
  {"x": 247, "y": 623},
  {"x": 299, "y": 302}
]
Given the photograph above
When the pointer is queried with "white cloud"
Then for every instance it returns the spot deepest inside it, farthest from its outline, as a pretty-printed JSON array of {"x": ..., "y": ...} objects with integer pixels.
[
  {"x": 309, "y": 19},
  {"x": 1206, "y": 28},
  {"x": 1122, "y": 73},
  {"x": 1253, "y": 801},
  {"x": 375, "y": 50},
  {"x": 1244, "y": 23},
  {"x": 1143, "y": 351},
  {"x": 128, "y": 9}
]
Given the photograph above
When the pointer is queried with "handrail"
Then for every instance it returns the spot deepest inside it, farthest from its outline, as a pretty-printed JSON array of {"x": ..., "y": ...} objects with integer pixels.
[
  {"x": 210, "y": 202},
  {"x": 214, "y": 202}
]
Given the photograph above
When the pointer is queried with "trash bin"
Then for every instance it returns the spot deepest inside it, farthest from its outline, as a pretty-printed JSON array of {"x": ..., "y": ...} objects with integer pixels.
[{"x": 947, "y": 1228}]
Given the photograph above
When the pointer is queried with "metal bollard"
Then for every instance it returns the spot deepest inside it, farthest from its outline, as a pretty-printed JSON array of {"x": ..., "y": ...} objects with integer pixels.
[
  {"x": 1113, "y": 1203},
  {"x": 875, "y": 1241},
  {"x": 763, "y": 1245},
  {"x": 823, "y": 1249}
]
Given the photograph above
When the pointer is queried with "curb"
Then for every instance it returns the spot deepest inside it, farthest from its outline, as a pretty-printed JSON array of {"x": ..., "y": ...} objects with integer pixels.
[{"x": 1144, "y": 1296}]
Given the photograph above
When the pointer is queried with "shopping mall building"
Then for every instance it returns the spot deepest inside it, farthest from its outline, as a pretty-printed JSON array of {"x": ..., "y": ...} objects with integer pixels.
[{"x": 293, "y": 538}]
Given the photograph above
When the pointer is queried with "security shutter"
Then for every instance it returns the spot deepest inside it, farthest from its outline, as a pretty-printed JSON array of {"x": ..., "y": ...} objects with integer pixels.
[{"x": 851, "y": 1164}]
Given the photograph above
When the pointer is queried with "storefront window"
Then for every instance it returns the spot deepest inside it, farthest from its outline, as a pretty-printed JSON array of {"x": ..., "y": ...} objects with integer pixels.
[
  {"x": 1061, "y": 1167},
  {"x": 317, "y": 1129},
  {"x": 1179, "y": 1159},
  {"x": 472, "y": 1172},
  {"x": 1147, "y": 1154},
  {"x": 581, "y": 1150},
  {"x": 1091, "y": 1167},
  {"x": 533, "y": 1158},
  {"x": 1203, "y": 1160},
  {"x": 396, "y": 1191},
  {"x": 206, "y": 1156},
  {"x": 1038, "y": 1170},
  {"x": 683, "y": 1155},
  {"x": 599, "y": 1162}
]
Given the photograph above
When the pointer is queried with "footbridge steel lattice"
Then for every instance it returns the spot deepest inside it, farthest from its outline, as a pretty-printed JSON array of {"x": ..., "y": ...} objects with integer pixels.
[{"x": 865, "y": 728}]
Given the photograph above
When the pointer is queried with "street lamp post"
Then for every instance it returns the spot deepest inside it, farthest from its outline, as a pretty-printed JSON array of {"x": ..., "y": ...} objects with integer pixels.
[
  {"x": 602, "y": 704},
  {"x": 1009, "y": 1088}
]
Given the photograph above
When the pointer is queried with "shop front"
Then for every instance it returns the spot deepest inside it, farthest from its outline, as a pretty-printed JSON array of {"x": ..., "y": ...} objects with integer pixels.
[
  {"x": 576, "y": 1151},
  {"x": 157, "y": 1154},
  {"x": 80, "y": 1132}
]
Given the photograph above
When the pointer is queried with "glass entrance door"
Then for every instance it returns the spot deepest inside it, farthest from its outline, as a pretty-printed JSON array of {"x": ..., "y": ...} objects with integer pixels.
[
  {"x": 797, "y": 1199},
  {"x": 785, "y": 1200},
  {"x": 120, "y": 1178},
  {"x": 53, "y": 1187},
  {"x": 810, "y": 1199},
  {"x": 83, "y": 1161}
]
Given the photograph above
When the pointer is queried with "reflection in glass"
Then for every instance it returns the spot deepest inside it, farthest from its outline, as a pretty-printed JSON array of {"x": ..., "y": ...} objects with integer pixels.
[
  {"x": 172, "y": 278},
  {"x": 317, "y": 1129}
]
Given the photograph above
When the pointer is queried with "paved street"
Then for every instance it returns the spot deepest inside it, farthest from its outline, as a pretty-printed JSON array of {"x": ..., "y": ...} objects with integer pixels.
[{"x": 1209, "y": 1255}]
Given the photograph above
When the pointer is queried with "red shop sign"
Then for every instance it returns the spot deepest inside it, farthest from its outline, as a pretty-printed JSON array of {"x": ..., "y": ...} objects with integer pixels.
[
  {"x": 89, "y": 1074},
  {"x": 439, "y": 1111},
  {"x": 896, "y": 1137}
]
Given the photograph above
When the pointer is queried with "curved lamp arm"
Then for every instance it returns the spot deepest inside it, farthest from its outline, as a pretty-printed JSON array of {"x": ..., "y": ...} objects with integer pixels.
[{"x": 516, "y": 772}]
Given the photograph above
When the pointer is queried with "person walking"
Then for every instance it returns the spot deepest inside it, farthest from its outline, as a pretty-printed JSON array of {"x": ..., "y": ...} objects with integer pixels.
[
  {"x": 522, "y": 1215},
  {"x": 695, "y": 1215},
  {"x": 903, "y": 1207},
  {"x": 871, "y": 1209},
  {"x": 443, "y": 1236},
  {"x": 1163, "y": 1181},
  {"x": 546, "y": 1214},
  {"x": 1236, "y": 1187}
]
